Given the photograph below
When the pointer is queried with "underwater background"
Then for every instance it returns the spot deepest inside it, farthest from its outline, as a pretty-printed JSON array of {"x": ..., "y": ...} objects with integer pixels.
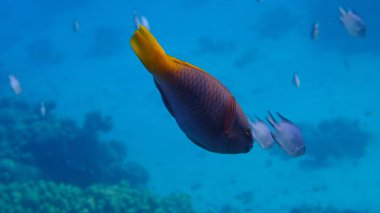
[{"x": 107, "y": 143}]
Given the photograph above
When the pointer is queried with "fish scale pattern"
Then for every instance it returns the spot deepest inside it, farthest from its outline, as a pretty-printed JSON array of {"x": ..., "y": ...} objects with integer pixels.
[{"x": 193, "y": 93}]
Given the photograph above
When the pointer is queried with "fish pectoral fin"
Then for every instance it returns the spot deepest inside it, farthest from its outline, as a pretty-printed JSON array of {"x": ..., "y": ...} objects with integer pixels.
[
  {"x": 163, "y": 97},
  {"x": 230, "y": 115},
  {"x": 198, "y": 143}
]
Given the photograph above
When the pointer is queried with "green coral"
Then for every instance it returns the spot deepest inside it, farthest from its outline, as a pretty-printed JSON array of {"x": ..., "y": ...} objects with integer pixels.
[
  {"x": 59, "y": 149},
  {"x": 305, "y": 208},
  {"x": 46, "y": 196}
]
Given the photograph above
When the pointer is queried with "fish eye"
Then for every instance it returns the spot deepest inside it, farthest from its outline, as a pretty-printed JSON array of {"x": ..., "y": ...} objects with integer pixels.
[
  {"x": 248, "y": 131},
  {"x": 229, "y": 136}
]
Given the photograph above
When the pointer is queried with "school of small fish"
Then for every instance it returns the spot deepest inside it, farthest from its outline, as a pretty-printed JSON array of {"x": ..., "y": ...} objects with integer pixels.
[{"x": 221, "y": 127}]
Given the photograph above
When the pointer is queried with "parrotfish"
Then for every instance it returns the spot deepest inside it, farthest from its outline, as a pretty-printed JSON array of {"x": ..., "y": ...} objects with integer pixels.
[
  {"x": 261, "y": 133},
  {"x": 202, "y": 106},
  {"x": 287, "y": 135},
  {"x": 353, "y": 23}
]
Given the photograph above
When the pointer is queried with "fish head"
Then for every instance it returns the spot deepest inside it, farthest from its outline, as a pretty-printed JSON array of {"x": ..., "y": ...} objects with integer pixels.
[
  {"x": 360, "y": 30},
  {"x": 263, "y": 135},
  {"x": 240, "y": 136}
]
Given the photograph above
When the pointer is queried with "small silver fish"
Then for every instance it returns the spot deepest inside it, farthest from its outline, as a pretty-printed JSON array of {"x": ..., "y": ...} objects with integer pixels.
[
  {"x": 140, "y": 20},
  {"x": 353, "y": 23},
  {"x": 261, "y": 133},
  {"x": 144, "y": 22},
  {"x": 136, "y": 20},
  {"x": 42, "y": 109},
  {"x": 315, "y": 31},
  {"x": 296, "y": 80},
  {"x": 76, "y": 25},
  {"x": 15, "y": 84},
  {"x": 287, "y": 135}
]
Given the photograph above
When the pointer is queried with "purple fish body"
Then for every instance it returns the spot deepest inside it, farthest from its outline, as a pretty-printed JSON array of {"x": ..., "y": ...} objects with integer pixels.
[
  {"x": 288, "y": 136},
  {"x": 353, "y": 23},
  {"x": 206, "y": 111},
  {"x": 262, "y": 134}
]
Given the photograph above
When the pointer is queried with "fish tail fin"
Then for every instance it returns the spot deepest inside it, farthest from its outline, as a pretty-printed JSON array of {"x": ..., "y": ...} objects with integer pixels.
[{"x": 150, "y": 52}]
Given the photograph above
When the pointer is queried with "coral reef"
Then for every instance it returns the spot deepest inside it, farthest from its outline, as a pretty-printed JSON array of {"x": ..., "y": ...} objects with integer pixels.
[
  {"x": 245, "y": 197},
  {"x": 319, "y": 209},
  {"x": 228, "y": 209},
  {"x": 46, "y": 196},
  {"x": 49, "y": 164},
  {"x": 333, "y": 140},
  {"x": 36, "y": 146}
]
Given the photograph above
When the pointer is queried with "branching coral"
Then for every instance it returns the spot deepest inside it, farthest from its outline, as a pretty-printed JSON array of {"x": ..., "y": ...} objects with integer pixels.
[
  {"x": 60, "y": 150},
  {"x": 319, "y": 209},
  {"x": 45, "y": 196},
  {"x": 334, "y": 139}
]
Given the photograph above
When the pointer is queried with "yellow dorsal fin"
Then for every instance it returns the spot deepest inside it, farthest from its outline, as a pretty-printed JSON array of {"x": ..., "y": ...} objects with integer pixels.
[
  {"x": 150, "y": 53},
  {"x": 184, "y": 63}
]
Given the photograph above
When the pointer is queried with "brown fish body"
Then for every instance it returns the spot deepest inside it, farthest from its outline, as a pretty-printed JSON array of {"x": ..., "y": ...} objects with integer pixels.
[{"x": 203, "y": 108}]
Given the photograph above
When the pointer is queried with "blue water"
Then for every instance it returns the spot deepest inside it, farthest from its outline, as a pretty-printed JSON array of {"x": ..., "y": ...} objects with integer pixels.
[{"x": 254, "y": 49}]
